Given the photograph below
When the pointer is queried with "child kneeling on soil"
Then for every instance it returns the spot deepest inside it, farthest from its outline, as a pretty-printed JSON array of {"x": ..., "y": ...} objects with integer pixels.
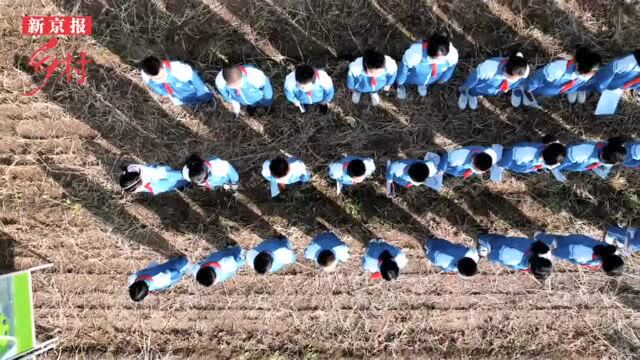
[
  {"x": 281, "y": 172},
  {"x": 271, "y": 255},
  {"x": 599, "y": 157},
  {"x": 176, "y": 80},
  {"x": 517, "y": 253},
  {"x": 408, "y": 173},
  {"x": 531, "y": 158},
  {"x": 370, "y": 74},
  {"x": 585, "y": 251},
  {"x": 383, "y": 260},
  {"x": 154, "y": 179},
  {"x": 493, "y": 77},
  {"x": 245, "y": 85},
  {"x": 307, "y": 86},
  {"x": 351, "y": 170},
  {"x": 211, "y": 173},
  {"x": 452, "y": 258},
  {"x": 474, "y": 160},
  {"x": 219, "y": 267},
  {"x": 626, "y": 237},
  {"x": 157, "y": 278},
  {"x": 327, "y": 251}
]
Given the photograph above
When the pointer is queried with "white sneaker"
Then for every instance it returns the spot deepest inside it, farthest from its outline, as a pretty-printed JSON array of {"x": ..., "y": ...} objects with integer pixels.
[
  {"x": 571, "y": 97},
  {"x": 422, "y": 90},
  {"x": 582, "y": 97},
  {"x": 462, "y": 101},
  {"x": 176, "y": 101},
  {"x": 235, "y": 106},
  {"x": 402, "y": 92},
  {"x": 355, "y": 97},
  {"x": 473, "y": 102},
  {"x": 375, "y": 99},
  {"x": 516, "y": 100}
]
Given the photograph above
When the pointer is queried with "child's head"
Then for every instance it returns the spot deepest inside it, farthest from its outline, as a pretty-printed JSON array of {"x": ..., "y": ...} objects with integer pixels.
[
  {"x": 206, "y": 276},
  {"x": 151, "y": 66},
  {"x": 614, "y": 151},
  {"x": 138, "y": 290},
  {"x": 305, "y": 75},
  {"x": 612, "y": 264},
  {"x": 467, "y": 267},
  {"x": 516, "y": 67},
  {"x": 130, "y": 180},
  {"x": 388, "y": 267},
  {"x": 373, "y": 62},
  {"x": 587, "y": 61},
  {"x": 195, "y": 169},
  {"x": 327, "y": 260},
  {"x": 262, "y": 262},
  {"x": 279, "y": 167},
  {"x": 539, "y": 248},
  {"x": 540, "y": 267},
  {"x": 418, "y": 172},
  {"x": 356, "y": 169},
  {"x": 233, "y": 76},
  {"x": 482, "y": 162},
  {"x": 554, "y": 152},
  {"x": 438, "y": 45}
]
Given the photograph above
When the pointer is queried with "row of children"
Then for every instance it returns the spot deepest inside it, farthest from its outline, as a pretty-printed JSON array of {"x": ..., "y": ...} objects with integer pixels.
[
  {"x": 384, "y": 261},
  {"x": 524, "y": 158},
  {"x": 423, "y": 64}
]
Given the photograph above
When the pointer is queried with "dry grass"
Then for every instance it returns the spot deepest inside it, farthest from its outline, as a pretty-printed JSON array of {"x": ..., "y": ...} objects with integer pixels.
[{"x": 60, "y": 150}]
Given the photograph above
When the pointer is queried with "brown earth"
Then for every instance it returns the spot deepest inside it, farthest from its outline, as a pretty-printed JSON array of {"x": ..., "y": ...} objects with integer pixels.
[{"x": 61, "y": 150}]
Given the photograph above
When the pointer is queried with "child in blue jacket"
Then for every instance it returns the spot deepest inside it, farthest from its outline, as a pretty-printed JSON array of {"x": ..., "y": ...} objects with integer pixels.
[
  {"x": 531, "y": 158},
  {"x": 427, "y": 62},
  {"x": 327, "y": 251},
  {"x": 281, "y": 172},
  {"x": 622, "y": 73},
  {"x": 585, "y": 251},
  {"x": 351, "y": 170},
  {"x": 156, "y": 278},
  {"x": 568, "y": 77},
  {"x": 598, "y": 157},
  {"x": 383, "y": 260},
  {"x": 272, "y": 255},
  {"x": 493, "y": 77},
  {"x": 451, "y": 258},
  {"x": 307, "y": 86},
  {"x": 153, "y": 179},
  {"x": 623, "y": 237},
  {"x": 211, "y": 173},
  {"x": 632, "y": 160},
  {"x": 245, "y": 85},
  {"x": 219, "y": 266},
  {"x": 408, "y": 173},
  {"x": 470, "y": 160},
  {"x": 370, "y": 74},
  {"x": 517, "y": 253},
  {"x": 176, "y": 80}
]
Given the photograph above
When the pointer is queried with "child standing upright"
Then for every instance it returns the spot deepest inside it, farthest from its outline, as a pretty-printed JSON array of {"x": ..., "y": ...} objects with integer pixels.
[
  {"x": 470, "y": 160},
  {"x": 427, "y": 62},
  {"x": 383, "y": 260},
  {"x": 370, "y": 74},
  {"x": 307, "y": 86},
  {"x": 176, "y": 80},
  {"x": 351, "y": 170},
  {"x": 531, "y": 158},
  {"x": 327, "y": 251},
  {"x": 245, "y": 85},
  {"x": 157, "y": 278},
  {"x": 408, "y": 173},
  {"x": 211, "y": 173},
  {"x": 282, "y": 171},
  {"x": 613, "y": 79}
]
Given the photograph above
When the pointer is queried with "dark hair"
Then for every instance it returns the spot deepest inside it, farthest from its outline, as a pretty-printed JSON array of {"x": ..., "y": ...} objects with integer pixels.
[
  {"x": 372, "y": 59},
  {"x": 438, "y": 44},
  {"x": 262, "y": 262},
  {"x": 554, "y": 153},
  {"x": 128, "y": 180},
  {"x": 279, "y": 167},
  {"x": 636, "y": 54},
  {"x": 305, "y": 74},
  {"x": 538, "y": 248},
  {"x": 603, "y": 250},
  {"x": 356, "y": 168},
  {"x": 198, "y": 172},
  {"x": 206, "y": 276},
  {"x": 587, "y": 60},
  {"x": 151, "y": 65},
  {"x": 388, "y": 267},
  {"x": 231, "y": 73},
  {"x": 326, "y": 258},
  {"x": 138, "y": 290},
  {"x": 418, "y": 171},
  {"x": 467, "y": 266},
  {"x": 540, "y": 267},
  {"x": 614, "y": 151},
  {"x": 612, "y": 265},
  {"x": 516, "y": 65},
  {"x": 482, "y": 161}
]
